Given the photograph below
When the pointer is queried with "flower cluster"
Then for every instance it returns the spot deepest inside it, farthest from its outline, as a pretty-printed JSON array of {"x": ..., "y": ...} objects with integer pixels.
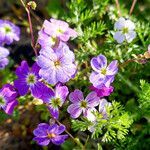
[
  {"x": 125, "y": 30},
  {"x": 8, "y": 33},
  {"x": 57, "y": 62}
]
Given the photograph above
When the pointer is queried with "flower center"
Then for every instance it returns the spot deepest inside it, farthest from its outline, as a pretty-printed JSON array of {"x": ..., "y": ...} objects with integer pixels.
[
  {"x": 53, "y": 40},
  {"x": 103, "y": 71},
  {"x": 56, "y": 102},
  {"x": 60, "y": 31},
  {"x": 83, "y": 104},
  {"x": 125, "y": 30},
  {"x": 2, "y": 101},
  {"x": 57, "y": 63},
  {"x": 31, "y": 79},
  {"x": 7, "y": 29},
  {"x": 51, "y": 135}
]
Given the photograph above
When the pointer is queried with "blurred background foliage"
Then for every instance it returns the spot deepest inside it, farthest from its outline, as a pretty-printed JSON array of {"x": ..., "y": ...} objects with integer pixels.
[{"x": 94, "y": 21}]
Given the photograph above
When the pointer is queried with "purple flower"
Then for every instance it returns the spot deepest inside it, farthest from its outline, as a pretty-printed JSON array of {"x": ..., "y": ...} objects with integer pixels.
[
  {"x": 80, "y": 104},
  {"x": 102, "y": 107},
  {"x": 3, "y": 57},
  {"x": 8, "y": 98},
  {"x": 29, "y": 79},
  {"x": 103, "y": 91},
  {"x": 57, "y": 65},
  {"x": 102, "y": 75},
  {"x": 46, "y": 133},
  {"x": 55, "y": 99},
  {"x": 58, "y": 29},
  {"x": 8, "y": 32}
]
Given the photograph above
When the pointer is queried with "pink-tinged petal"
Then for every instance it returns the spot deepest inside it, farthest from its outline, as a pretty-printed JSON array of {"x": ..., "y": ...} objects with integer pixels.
[
  {"x": 42, "y": 141},
  {"x": 76, "y": 96},
  {"x": 112, "y": 68},
  {"x": 23, "y": 69},
  {"x": 58, "y": 140},
  {"x": 103, "y": 91},
  {"x": 120, "y": 24},
  {"x": 92, "y": 99},
  {"x": 72, "y": 33},
  {"x": 97, "y": 79},
  {"x": 108, "y": 81},
  {"x": 61, "y": 92},
  {"x": 21, "y": 85},
  {"x": 74, "y": 110},
  {"x": 89, "y": 114},
  {"x": 64, "y": 37},
  {"x": 10, "y": 107},
  {"x": 119, "y": 37},
  {"x": 130, "y": 36},
  {"x": 54, "y": 112}
]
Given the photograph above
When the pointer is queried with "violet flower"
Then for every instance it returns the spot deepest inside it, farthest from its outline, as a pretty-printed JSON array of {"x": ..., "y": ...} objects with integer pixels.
[
  {"x": 45, "y": 133},
  {"x": 55, "y": 99},
  {"x": 57, "y": 65},
  {"x": 80, "y": 104},
  {"x": 28, "y": 79},
  {"x": 8, "y": 98},
  {"x": 102, "y": 75},
  {"x": 8, "y": 32},
  {"x": 3, "y": 57}
]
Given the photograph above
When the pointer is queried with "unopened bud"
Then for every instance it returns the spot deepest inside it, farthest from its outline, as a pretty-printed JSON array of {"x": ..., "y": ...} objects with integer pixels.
[{"x": 32, "y": 5}]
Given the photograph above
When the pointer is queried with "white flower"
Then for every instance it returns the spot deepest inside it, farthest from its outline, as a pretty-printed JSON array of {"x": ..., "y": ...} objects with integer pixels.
[{"x": 125, "y": 30}]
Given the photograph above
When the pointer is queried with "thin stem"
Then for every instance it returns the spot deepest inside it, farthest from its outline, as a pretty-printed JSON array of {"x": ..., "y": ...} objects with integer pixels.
[
  {"x": 77, "y": 142},
  {"x": 118, "y": 7},
  {"x": 132, "y": 7},
  {"x": 30, "y": 25}
]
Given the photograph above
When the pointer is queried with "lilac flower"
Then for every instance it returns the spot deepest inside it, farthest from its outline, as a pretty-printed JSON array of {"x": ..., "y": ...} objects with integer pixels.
[
  {"x": 56, "y": 65},
  {"x": 3, "y": 57},
  {"x": 103, "y": 91},
  {"x": 102, "y": 107},
  {"x": 102, "y": 75},
  {"x": 46, "y": 133},
  {"x": 46, "y": 40},
  {"x": 8, "y": 32},
  {"x": 29, "y": 79},
  {"x": 80, "y": 104},
  {"x": 8, "y": 98},
  {"x": 59, "y": 29},
  {"x": 55, "y": 99},
  {"x": 125, "y": 30}
]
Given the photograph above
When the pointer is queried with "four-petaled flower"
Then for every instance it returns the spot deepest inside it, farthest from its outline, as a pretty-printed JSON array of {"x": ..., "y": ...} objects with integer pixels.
[
  {"x": 29, "y": 79},
  {"x": 80, "y": 104},
  {"x": 3, "y": 57},
  {"x": 46, "y": 133},
  {"x": 57, "y": 65},
  {"x": 125, "y": 30},
  {"x": 102, "y": 75},
  {"x": 8, "y": 98},
  {"x": 8, "y": 32},
  {"x": 55, "y": 99}
]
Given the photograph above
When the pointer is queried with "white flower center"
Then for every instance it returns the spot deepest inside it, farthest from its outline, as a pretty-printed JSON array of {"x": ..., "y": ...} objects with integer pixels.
[{"x": 31, "y": 79}]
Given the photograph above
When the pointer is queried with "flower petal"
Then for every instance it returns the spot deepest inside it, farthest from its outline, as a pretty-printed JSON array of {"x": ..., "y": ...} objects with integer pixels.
[
  {"x": 58, "y": 140},
  {"x": 112, "y": 68},
  {"x": 120, "y": 23},
  {"x": 119, "y": 37},
  {"x": 42, "y": 141},
  {"x": 130, "y": 36}
]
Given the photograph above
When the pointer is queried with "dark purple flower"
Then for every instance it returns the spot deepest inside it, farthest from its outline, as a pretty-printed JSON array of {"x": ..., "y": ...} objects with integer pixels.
[
  {"x": 80, "y": 104},
  {"x": 102, "y": 75},
  {"x": 103, "y": 91},
  {"x": 8, "y": 98},
  {"x": 57, "y": 65},
  {"x": 3, "y": 57},
  {"x": 55, "y": 99},
  {"x": 29, "y": 79},
  {"x": 8, "y": 32},
  {"x": 58, "y": 29},
  {"x": 45, "y": 133}
]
